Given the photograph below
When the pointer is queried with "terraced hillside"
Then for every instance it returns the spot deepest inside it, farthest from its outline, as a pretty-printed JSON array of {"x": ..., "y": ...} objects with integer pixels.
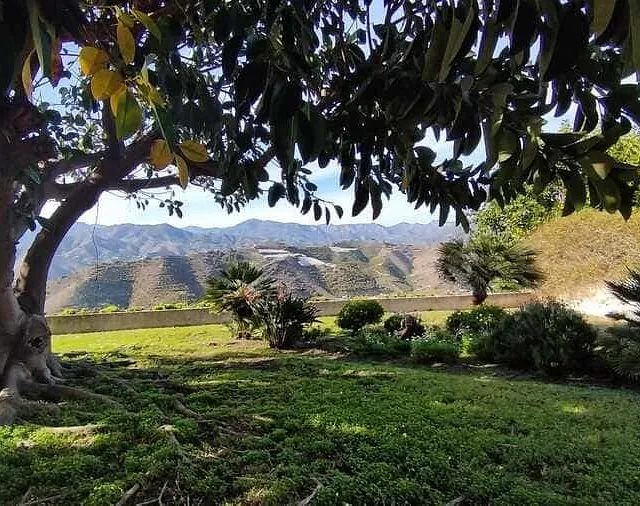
[{"x": 351, "y": 269}]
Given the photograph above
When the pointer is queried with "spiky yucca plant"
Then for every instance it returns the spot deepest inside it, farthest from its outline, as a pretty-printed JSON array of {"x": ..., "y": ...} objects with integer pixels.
[
  {"x": 476, "y": 264},
  {"x": 238, "y": 290}
]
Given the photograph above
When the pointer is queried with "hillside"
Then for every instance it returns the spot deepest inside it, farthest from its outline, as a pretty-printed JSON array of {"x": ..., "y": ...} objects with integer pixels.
[
  {"x": 352, "y": 269},
  {"x": 84, "y": 246},
  {"x": 579, "y": 252}
]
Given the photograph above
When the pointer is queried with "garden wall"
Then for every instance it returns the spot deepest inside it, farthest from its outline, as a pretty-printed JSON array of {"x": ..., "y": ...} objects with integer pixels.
[{"x": 184, "y": 317}]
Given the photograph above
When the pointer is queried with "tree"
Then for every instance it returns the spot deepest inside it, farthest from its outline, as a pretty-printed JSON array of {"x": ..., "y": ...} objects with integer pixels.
[
  {"x": 160, "y": 93},
  {"x": 484, "y": 260},
  {"x": 238, "y": 290},
  {"x": 523, "y": 214}
]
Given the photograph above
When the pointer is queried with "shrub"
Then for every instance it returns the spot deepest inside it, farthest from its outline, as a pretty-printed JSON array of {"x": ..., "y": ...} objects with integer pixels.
[
  {"x": 476, "y": 327},
  {"x": 545, "y": 336},
  {"x": 282, "y": 318},
  {"x": 477, "y": 319},
  {"x": 111, "y": 308},
  {"x": 393, "y": 323},
  {"x": 314, "y": 333},
  {"x": 427, "y": 351},
  {"x": 357, "y": 313},
  {"x": 620, "y": 349},
  {"x": 68, "y": 311},
  {"x": 380, "y": 343}
]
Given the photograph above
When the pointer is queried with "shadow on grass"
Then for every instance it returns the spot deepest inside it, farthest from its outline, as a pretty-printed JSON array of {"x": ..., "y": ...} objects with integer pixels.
[{"x": 279, "y": 427}]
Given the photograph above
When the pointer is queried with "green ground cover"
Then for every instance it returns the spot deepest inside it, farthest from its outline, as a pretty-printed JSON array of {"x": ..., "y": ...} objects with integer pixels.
[{"x": 267, "y": 427}]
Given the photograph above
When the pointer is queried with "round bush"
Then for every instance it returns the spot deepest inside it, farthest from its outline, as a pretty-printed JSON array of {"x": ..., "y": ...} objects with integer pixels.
[
  {"x": 357, "y": 313},
  {"x": 545, "y": 336},
  {"x": 393, "y": 323}
]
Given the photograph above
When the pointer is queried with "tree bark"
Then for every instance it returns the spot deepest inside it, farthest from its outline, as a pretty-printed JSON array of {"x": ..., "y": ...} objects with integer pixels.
[{"x": 31, "y": 284}]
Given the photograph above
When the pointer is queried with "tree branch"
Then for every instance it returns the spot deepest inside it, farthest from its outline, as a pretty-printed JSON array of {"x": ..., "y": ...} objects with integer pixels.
[
  {"x": 54, "y": 169},
  {"x": 60, "y": 191}
]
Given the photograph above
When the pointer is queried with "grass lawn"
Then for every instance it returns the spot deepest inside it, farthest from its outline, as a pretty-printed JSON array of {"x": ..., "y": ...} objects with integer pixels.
[{"x": 277, "y": 428}]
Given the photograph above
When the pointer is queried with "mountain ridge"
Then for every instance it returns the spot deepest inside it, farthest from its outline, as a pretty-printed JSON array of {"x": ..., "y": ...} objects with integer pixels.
[{"x": 87, "y": 245}]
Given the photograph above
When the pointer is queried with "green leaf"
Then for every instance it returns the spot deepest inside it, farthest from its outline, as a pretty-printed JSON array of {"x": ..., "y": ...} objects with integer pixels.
[
  {"x": 306, "y": 204},
  {"x": 634, "y": 27},
  {"x": 230, "y": 55},
  {"x": 376, "y": 199},
  {"x": 602, "y": 13},
  {"x": 166, "y": 125},
  {"x": 361, "y": 198},
  {"x": 338, "y": 210},
  {"x": 148, "y": 22},
  {"x": 317, "y": 210},
  {"x": 487, "y": 46},
  {"x": 327, "y": 215},
  {"x": 221, "y": 26},
  {"x": 508, "y": 144},
  {"x": 576, "y": 189},
  {"x": 437, "y": 46},
  {"x": 457, "y": 34},
  {"x": 444, "y": 213},
  {"x": 276, "y": 192},
  {"x": 601, "y": 163},
  {"x": 128, "y": 115},
  {"x": 41, "y": 36}
]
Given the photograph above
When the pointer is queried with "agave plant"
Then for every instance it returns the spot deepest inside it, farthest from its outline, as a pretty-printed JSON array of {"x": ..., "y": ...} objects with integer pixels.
[
  {"x": 238, "y": 290},
  {"x": 480, "y": 262}
]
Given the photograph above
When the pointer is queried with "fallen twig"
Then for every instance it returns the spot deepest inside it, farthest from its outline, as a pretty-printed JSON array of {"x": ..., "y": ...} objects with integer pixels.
[
  {"x": 26, "y": 496},
  {"x": 307, "y": 500},
  {"x": 129, "y": 494}
]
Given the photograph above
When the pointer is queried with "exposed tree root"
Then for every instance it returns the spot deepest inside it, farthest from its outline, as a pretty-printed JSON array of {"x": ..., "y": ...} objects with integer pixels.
[
  {"x": 59, "y": 392},
  {"x": 181, "y": 408},
  {"x": 75, "y": 430}
]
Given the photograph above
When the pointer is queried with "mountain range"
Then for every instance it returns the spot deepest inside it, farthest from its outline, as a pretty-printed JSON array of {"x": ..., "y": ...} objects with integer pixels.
[
  {"x": 352, "y": 269},
  {"x": 86, "y": 245}
]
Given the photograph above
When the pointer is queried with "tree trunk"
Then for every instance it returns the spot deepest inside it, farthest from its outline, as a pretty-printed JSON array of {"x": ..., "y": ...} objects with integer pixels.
[{"x": 25, "y": 338}]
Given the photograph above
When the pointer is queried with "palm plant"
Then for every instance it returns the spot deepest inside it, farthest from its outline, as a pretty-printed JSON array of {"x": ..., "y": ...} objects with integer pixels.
[
  {"x": 476, "y": 265},
  {"x": 283, "y": 318},
  {"x": 620, "y": 345},
  {"x": 238, "y": 290},
  {"x": 628, "y": 291}
]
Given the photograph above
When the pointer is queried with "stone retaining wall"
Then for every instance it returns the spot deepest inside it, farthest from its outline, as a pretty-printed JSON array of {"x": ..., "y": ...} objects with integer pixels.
[{"x": 75, "y": 324}]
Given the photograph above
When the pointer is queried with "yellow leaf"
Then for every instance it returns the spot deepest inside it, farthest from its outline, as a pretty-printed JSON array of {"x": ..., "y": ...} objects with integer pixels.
[
  {"x": 126, "y": 43},
  {"x": 194, "y": 151},
  {"x": 113, "y": 100},
  {"x": 160, "y": 155},
  {"x": 183, "y": 171},
  {"x": 148, "y": 22},
  {"x": 92, "y": 59},
  {"x": 106, "y": 83},
  {"x": 27, "y": 80}
]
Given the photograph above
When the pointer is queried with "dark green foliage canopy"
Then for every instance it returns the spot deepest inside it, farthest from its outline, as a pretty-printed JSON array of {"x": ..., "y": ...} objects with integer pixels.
[{"x": 360, "y": 82}]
